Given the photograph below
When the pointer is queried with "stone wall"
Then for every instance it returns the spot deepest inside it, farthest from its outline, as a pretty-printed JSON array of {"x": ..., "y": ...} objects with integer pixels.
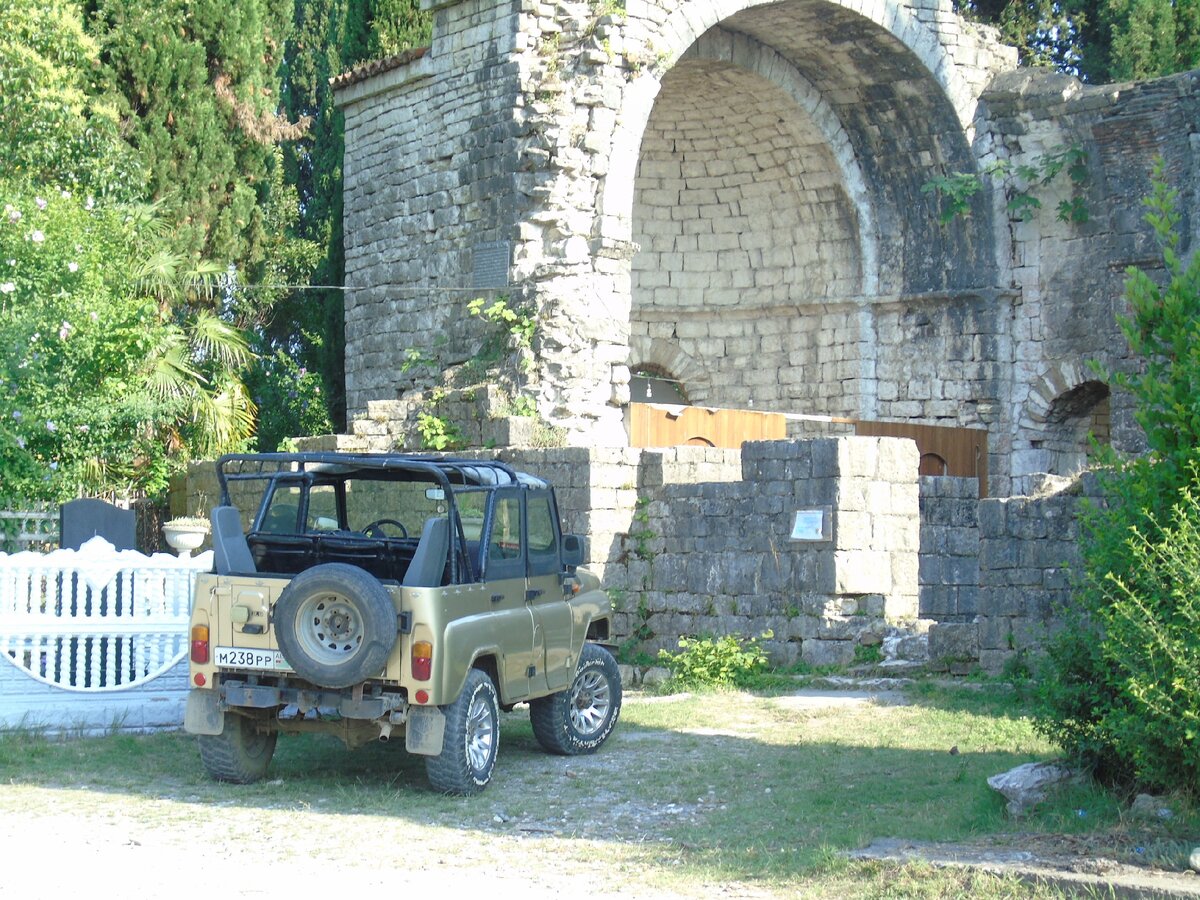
[
  {"x": 688, "y": 184},
  {"x": 1027, "y": 549},
  {"x": 1069, "y": 277},
  {"x": 730, "y": 193},
  {"x": 949, "y": 573},
  {"x": 697, "y": 541},
  {"x": 694, "y": 540}
]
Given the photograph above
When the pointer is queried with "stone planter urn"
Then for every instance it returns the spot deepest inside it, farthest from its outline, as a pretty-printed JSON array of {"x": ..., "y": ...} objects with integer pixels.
[{"x": 185, "y": 534}]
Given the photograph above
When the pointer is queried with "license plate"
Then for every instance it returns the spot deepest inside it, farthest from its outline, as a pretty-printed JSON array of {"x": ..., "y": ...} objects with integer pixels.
[{"x": 243, "y": 658}]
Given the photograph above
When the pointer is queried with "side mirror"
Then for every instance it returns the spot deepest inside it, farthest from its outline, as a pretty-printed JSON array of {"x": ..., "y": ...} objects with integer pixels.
[{"x": 574, "y": 551}]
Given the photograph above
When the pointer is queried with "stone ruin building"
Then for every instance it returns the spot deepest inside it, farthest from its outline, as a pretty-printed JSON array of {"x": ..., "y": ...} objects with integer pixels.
[{"x": 729, "y": 198}]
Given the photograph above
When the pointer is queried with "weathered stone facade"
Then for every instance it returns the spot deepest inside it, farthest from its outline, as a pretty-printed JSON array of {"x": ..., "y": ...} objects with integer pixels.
[
  {"x": 694, "y": 540},
  {"x": 1029, "y": 547},
  {"x": 723, "y": 189},
  {"x": 730, "y": 192}
]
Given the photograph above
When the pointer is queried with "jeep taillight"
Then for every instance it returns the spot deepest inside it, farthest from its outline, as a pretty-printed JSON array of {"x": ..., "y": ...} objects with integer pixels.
[
  {"x": 422, "y": 660},
  {"x": 200, "y": 644}
]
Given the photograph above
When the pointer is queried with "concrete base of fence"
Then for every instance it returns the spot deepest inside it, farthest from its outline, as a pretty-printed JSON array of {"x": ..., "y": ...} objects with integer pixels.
[{"x": 30, "y": 704}]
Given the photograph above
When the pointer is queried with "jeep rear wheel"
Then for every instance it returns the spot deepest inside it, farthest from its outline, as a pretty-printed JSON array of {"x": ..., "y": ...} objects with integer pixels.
[
  {"x": 580, "y": 719},
  {"x": 335, "y": 624},
  {"x": 471, "y": 741},
  {"x": 240, "y": 753}
]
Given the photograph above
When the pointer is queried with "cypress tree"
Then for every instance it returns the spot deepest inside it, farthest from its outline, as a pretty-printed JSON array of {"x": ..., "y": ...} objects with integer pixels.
[
  {"x": 329, "y": 37},
  {"x": 199, "y": 82}
]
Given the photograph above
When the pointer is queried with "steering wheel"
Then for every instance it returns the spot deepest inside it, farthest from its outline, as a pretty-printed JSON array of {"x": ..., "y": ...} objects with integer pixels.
[{"x": 374, "y": 529}]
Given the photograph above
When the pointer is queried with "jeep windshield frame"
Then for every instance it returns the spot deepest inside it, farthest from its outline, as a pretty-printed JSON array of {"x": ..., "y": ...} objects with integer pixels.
[{"x": 306, "y": 469}]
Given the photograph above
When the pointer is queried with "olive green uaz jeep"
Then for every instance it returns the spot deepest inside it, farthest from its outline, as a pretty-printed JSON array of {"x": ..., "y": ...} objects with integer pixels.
[{"x": 374, "y": 596}]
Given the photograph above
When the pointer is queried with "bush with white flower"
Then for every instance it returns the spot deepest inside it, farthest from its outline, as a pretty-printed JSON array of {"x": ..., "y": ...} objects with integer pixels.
[{"x": 106, "y": 383}]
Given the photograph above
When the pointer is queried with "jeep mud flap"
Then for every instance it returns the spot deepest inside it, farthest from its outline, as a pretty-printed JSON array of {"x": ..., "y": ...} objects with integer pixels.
[
  {"x": 203, "y": 714},
  {"x": 425, "y": 730}
]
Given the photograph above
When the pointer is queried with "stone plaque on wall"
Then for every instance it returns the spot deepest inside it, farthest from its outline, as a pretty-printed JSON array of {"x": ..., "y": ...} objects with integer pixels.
[{"x": 490, "y": 264}]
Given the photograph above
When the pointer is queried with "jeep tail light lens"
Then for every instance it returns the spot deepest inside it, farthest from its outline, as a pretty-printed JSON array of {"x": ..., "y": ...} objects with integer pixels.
[
  {"x": 200, "y": 644},
  {"x": 422, "y": 660}
]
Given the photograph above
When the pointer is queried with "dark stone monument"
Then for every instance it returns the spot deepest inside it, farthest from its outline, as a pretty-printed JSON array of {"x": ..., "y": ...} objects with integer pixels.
[{"x": 81, "y": 520}]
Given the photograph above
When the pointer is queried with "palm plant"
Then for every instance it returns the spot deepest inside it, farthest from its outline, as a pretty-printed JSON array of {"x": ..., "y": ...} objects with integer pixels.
[{"x": 198, "y": 356}]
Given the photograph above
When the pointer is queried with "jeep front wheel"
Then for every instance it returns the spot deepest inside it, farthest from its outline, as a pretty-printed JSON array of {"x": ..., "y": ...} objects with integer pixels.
[
  {"x": 240, "y": 753},
  {"x": 580, "y": 719},
  {"x": 471, "y": 740},
  {"x": 335, "y": 624}
]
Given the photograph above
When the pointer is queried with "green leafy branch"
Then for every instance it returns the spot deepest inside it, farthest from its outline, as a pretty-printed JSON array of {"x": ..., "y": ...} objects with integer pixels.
[
  {"x": 438, "y": 433},
  {"x": 957, "y": 189},
  {"x": 519, "y": 323}
]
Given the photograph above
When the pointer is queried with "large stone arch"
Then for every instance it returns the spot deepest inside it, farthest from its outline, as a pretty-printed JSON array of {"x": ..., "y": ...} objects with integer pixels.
[
  {"x": 839, "y": 114},
  {"x": 1066, "y": 409},
  {"x": 918, "y": 28},
  {"x": 669, "y": 358}
]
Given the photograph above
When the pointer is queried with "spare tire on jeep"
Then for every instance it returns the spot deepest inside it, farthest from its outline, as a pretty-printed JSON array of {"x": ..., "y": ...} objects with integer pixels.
[{"x": 335, "y": 624}]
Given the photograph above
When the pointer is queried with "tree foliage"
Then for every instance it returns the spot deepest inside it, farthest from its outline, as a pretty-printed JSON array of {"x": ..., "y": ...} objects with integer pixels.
[
  {"x": 120, "y": 334},
  {"x": 329, "y": 37},
  {"x": 1100, "y": 40},
  {"x": 112, "y": 370},
  {"x": 58, "y": 122},
  {"x": 194, "y": 80}
]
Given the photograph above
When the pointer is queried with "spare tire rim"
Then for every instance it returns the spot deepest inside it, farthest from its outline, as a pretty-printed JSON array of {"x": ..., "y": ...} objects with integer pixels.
[
  {"x": 591, "y": 699},
  {"x": 329, "y": 628}
]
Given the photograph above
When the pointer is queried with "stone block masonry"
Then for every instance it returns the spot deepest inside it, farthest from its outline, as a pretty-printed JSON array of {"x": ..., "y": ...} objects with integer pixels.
[
  {"x": 696, "y": 540},
  {"x": 1028, "y": 549},
  {"x": 949, "y": 569},
  {"x": 693, "y": 541},
  {"x": 677, "y": 172},
  {"x": 732, "y": 193}
]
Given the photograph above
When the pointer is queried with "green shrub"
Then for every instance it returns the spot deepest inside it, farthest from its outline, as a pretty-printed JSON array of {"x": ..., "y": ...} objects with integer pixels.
[
  {"x": 730, "y": 661},
  {"x": 1152, "y": 637},
  {"x": 113, "y": 373},
  {"x": 289, "y": 398}
]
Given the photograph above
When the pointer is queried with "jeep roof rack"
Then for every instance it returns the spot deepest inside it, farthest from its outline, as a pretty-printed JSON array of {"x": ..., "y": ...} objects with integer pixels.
[{"x": 443, "y": 470}]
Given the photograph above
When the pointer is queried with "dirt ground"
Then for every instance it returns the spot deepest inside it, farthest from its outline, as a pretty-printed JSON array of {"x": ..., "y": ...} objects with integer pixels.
[{"x": 59, "y": 842}]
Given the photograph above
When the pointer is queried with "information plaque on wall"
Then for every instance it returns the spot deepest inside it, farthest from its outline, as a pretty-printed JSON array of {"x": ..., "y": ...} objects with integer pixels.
[
  {"x": 813, "y": 524},
  {"x": 490, "y": 262}
]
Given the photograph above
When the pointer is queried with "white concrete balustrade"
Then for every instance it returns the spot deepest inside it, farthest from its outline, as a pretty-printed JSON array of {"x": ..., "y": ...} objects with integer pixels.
[{"x": 95, "y": 639}]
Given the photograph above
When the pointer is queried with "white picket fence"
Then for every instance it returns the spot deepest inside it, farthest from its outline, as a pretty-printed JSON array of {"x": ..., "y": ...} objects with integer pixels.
[{"x": 94, "y": 640}]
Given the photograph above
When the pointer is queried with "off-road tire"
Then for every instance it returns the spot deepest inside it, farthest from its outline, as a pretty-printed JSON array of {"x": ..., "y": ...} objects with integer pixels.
[
  {"x": 335, "y": 624},
  {"x": 578, "y": 720},
  {"x": 471, "y": 740},
  {"x": 240, "y": 753}
]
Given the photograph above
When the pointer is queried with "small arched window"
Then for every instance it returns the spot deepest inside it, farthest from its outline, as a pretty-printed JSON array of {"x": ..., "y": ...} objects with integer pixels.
[{"x": 654, "y": 384}]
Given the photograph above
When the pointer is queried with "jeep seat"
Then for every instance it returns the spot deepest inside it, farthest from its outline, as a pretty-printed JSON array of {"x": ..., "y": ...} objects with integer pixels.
[
  {"x": 231, "y": 553},
  {"x": 428, "y": 564}
]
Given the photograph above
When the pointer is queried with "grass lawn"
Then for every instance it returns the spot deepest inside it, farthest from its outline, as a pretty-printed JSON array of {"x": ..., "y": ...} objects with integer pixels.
[{"x": 758, "y": 793}]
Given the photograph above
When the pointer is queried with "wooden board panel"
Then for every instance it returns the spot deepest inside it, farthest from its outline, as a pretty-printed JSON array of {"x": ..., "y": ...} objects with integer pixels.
[
  {"x": 959, "y": 452},
  {"x": 652, "y": 425}
]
